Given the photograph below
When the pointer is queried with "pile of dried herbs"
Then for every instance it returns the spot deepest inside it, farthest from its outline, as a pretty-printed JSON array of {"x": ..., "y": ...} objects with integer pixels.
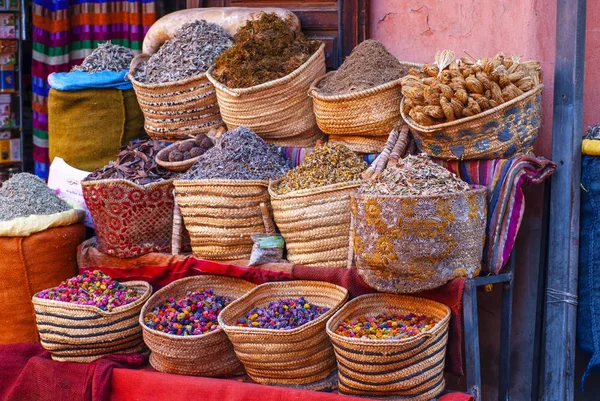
[
  {"x": 414, "y": 175},
  {"x": 191, "y": 52},
  {"x": 239, "y": 154},
  {"x": 265, "y": 49},
  {"x": 135, "y": 163},
  {"x": 593, "y": 132},
  {"x": 106, "y": 57},
  {"x": 331, "y": 163}
]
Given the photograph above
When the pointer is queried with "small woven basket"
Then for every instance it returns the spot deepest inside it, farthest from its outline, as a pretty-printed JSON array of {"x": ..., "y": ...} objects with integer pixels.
[
  {"x": 314, "y": 223},
  {"x": 84, "y": 333},
  {"x": 296, "y": 357},
  {"x": 163, "y": 161},
  {"x": 210, "y": 354},
  {"x": 176, "y": 110},
  {"x": 220, "y": 215},
  {"x": 409, "y": 369},
  {"x": 277, "y": 110},
  {"x": 361, "y": 144}
]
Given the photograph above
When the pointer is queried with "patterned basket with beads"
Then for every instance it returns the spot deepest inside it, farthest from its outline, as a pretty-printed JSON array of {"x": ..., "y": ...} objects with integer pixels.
[
  {"x": 314, "y": 223},
  {"x": 209, "y": 354},
  {"x": 407, "y": 244},
  {"x": 409, "y": 368},
  {"x": 301, "y": 357},
  {"x": 84, "y": 333},
  {"x": 176, "y": 110}
]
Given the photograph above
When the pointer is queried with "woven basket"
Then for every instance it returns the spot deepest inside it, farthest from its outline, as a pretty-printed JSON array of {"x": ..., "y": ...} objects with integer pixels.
[
  {"x": 410, "y": 369},
  {"x": 184, "y": 165},
  {"x": 176, "y": 110},
  {"x": 285, "y": 357},
  {"x": 220, "y": 215},
  {"x": 84, "y": 333},
  {"x": 315, "y": 223},
  {"x": 209, "y": 354},
  {"x": 361, "y": 144},
  {"x": 369, "y": 112},
  {"x": 276, "y": 110},
  {"x": 503, "y": 132},
  {"x": 406, "y": 244}
]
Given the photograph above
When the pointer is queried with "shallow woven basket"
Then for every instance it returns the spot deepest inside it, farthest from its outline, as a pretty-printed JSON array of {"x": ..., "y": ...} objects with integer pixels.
[
  {"x": 184, "y": 165},
  {"x": 361, "y": 144},
  {"x": 176, "y": 110},
  {"x": 220, "y": 215},
  {"x": 503, "y": 132},
  {"x": 276, "y": 110},
  {"x": 369, "y": 112},
  {"x": 410, "y": 369},
  {"x": 300, "y": 356},
  {"x": 315, "y": 223},
  {"x": 84, "y": 333},
  {"x": 209, "y": 354}
]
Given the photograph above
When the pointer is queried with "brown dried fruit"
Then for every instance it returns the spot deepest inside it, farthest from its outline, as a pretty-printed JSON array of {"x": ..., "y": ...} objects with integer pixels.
[
  {"x": 187, "y": 155},
  {"x": 487, "y": 65},
  {"x": 446, "y": 91},
  {"x": 482, "y": 101},
  {"x": 496, "y": 93},
  {"x": 458, "y": 83},
  {"x": 484, "y": 79},
  {"x": 515, "y": 76},
  {"x": 503, "y": 80},
  {"x": 434, "y": 111},
  {"x": 467, "y": 113},
  {"x": 431, "y": 69},
  {"x": 462, "y": 95},
  {"x": 421, "y": 118},
  {"x": 525, "y": 84},
  {"x": 198, "y": 151},
  {"x": 474, "y": 106},
  {"x": 510, "y": 92},
  {"x": 458, "y": 107},
  {"x": 175, "y": 156},
  {"x": 447, "y": 109},
  {"x": 474, "y": 85},
  {"x": 445, "y": 77},
  {"x": 185, "y": 146},
  {"x": 428, "y": 80}
]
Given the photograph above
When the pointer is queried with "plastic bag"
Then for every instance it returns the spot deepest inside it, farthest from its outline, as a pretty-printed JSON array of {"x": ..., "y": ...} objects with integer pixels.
[{"x": 267, "y": 248}]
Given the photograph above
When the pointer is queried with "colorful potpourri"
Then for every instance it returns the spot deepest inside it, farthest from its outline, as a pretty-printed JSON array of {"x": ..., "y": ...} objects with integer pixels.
[
  {"x": 391, "y": 327},
  {"x": 284, "y": 314},
  {"x": 92, "y": 288},
  {"x": 193, "y": 315}
]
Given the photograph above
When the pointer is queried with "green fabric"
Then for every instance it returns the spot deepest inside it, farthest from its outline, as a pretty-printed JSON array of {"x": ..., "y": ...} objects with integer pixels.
[{"x": 83, "y": 45}]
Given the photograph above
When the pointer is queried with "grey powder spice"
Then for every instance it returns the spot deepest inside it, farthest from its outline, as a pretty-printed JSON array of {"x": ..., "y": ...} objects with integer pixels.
[
  {"x": 106, "y": 57},
  {"x": 25, "y": 195}
]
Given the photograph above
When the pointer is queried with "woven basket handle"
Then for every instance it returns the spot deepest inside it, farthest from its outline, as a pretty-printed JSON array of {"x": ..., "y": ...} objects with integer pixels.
[
  {"x": 267, "y": 220},
  {"x": 177, "y": 228}
]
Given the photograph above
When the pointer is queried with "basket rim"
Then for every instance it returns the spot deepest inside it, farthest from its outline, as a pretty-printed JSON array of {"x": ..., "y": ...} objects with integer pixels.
[
  {"x": 311, "y": 191},
  {"x": 145, "y": 187},
  {"x": 220, "y": 182},
  {"x": 119, "y": 309},
  {"x": 384, "y": 297},
  {"x": 175, "y": 283},
  {"x": 236, "y": 92},
  {"x": 167, "y": 164},
  {"x": 265, "y": 287},
  {"x": 430, "y": 129},
  {"x": 138, "y": 60},
  {"x": 475, "y": 188}
]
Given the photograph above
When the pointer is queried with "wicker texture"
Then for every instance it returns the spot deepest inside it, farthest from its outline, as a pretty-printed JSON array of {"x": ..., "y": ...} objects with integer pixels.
[
  {"x": 406, "y": 244},
  {"x": 410, "y": 369},
  {"x": 315, "y": 223},
  {"x": 84, "y": 333},
  {"x": 277, "y": 110},
  {"x": 362, "y": 144},
  {"x": 163, "y": 161},
  {"x": 505, "y": 131},
  {"x": 176, "y": 110},
  {"x": 285, "y": 357},
  {"x": 220, "y": 215},
  {"x": 209, "y": 354}
]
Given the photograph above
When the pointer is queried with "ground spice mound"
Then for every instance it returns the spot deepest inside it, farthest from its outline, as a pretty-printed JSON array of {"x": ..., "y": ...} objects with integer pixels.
[
  {"x": 331, "y": 163},
  {"x": 265, "y": 49},
  {"x": 369, "y": 65},
  {"x": 191, "y": 52},
  {"x": 414, "y": 175},
  {"x": 106, "y": 57},
  {"x": 26, "y": 195},
  {"x": 239, "y": 154}
]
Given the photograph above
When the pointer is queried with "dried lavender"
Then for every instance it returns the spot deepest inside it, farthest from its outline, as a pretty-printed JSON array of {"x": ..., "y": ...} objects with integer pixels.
[
  {"x": 106, "y": 57},
  {"x": 239, "y": 154},
  {"x": 191, "y": 52},
  {"x": 26, "y": 195},
  {"x": 415, "y": 175}
]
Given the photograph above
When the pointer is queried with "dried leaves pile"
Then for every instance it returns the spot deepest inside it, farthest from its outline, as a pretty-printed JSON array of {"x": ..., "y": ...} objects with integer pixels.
[
  {"x": 191, "y": 52},
  {"x": 593, "y": 132},
  {"x": 106, "y": 57}
]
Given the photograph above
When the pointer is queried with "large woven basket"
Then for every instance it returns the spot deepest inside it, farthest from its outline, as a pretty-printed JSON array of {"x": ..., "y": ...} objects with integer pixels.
[
  {"x": 176, "y": 110},
  {"x": 220, "y": 215},
  {"x": 406, "y": 244},
  {"x": 505, "y": 131},
  {"x": 315, "y": 223},
  {"x": 300, "y": 356},
  {"x": 84, "y": 333},
  {"x": 410, "y": 369},
  {"x": 277, "y": 110},
  {"x": 209, "y": 354}
]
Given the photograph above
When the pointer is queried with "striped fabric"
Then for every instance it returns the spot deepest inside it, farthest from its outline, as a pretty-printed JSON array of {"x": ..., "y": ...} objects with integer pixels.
[{"x": 65, "y": 32}]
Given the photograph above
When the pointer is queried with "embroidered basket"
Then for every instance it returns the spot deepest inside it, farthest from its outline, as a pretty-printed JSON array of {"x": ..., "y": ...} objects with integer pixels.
[
  {"x": 209, "y": 354},
  {"x": 410, "y": 369},
  {"x": 84, "y": 333},
  {"x": 299, "y": 357},
  {"x": 415, "y": 243},
  {"x": 176, "y": 110}
]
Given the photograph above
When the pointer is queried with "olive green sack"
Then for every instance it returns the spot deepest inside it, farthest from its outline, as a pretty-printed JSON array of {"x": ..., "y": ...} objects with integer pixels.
[{"x": 86, "y": 127}]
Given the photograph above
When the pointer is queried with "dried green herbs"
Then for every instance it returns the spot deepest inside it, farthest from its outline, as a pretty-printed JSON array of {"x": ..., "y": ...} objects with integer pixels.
[
  {"x": 265, "y": 49},
  {"x": 191, "y": 52},
  {"x": 106, "y": 57},
  {"x": 328, "y": 164}
]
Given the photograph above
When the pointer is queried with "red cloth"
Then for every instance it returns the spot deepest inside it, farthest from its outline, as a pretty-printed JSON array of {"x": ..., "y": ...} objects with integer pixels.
[
  {"x": 456, "y": 397},
  {"x": 28, "y": 373}
]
